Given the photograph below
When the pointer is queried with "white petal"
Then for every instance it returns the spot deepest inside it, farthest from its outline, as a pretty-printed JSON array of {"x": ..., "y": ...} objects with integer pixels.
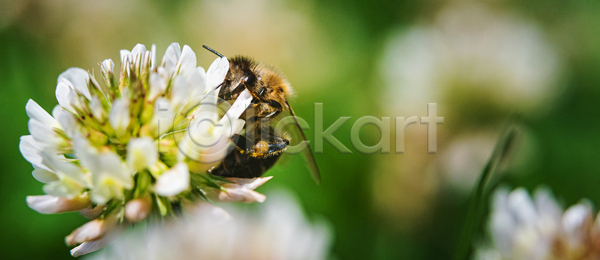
[
  {"x": 574, "y": 222},
  {"x": 102, "y": 164},
  {"x": 47, "y": 204},
  {"x": 187, "y": 61},
  {"x": 502, "y": 227},
  {"x": 40, "y": 131},
  {"x": 83, "y": 150},
  {"x": 216, "y": 73},
  {"x": 119, "y": 115},
  {"x": 522, "y": 206},
  {"x": 64, "y": 187},
  {"x": 204, "y": 128},
  {"x": 197, "y": 81},
  {"x": 173, "y": 51},
  {"x": 112, "y": 165},
  {"x": 171, "y": 57},
  {"x": 65, "y": 169},
  {"x": 214, "y": 154},
  {"x": 180, "y": 92},
  {"x": 64, "y": 118},
  {"x": 187, "y": 149},
  {"x": 45, "y": 135},
  {"x": 239, "y": 106},
  {"x": 238, "y": 126},
  {"x": 158, "y": 85},
  {"x": 546, "y": 204},
  {"x": 206, "y": 141},
  {"x": 106, "y": 189},
  {"x": 237, "y": 194},
  {"x": 163, "y": 116},
  {"x": 63, "y": 95},
  {"x": 500, "y": 198},
  {"x": 44, "y": 176},
  {"x": 209, "y": 104},
  {"x": 31, "y": 151},
  {"x": 125, "y": 57},
  {"x": 78, "y": 79},
  {"x": 173, "y": 181},
  {"x": 141, "y": 153},
  {"x": 138, "y": 52},
  {"x": 241, "y": 190},
  {"x": 107, "y": 67},
  {"x": 91, "y": 230},
  {"x": 153, "y": 60},
  {"x": 97, "y": 109},
  {"x": 36, "y": 112},
  {"x": 91, "y": 246},
  {"x": 110, "y": 176},
  {"x": 250, "y": 183}
]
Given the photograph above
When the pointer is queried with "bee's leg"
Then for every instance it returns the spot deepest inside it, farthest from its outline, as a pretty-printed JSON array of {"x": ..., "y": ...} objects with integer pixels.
[
  {"x": 245, "y": 162},
  {"x": 262, "y": 148}
]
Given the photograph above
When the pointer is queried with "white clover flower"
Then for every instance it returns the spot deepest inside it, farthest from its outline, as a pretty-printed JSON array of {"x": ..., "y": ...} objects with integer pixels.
[
  {"x": 471, "y": 55},
  {"x": 137, "y": 145},
  {"x": 535, "y": 228},
  {"x": 480, "y": 63},
  {"x": 278, "y": 231}
]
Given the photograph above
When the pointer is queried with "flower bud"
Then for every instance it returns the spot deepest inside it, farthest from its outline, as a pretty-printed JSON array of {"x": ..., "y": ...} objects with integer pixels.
[
  {"x": 138, "y": 209},
  {"x": 92, "y": 230}
]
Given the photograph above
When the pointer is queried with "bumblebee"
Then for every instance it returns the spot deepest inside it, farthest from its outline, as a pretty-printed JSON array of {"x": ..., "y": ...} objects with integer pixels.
[{"x": 260, "y": 146}]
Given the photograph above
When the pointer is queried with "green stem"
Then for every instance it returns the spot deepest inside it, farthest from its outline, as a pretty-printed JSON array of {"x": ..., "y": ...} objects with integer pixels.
[{"x": 476, "y": 200}]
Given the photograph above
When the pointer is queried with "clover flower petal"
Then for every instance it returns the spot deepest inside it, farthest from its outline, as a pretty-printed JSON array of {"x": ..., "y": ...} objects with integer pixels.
[{"x": 47, "y": 204}]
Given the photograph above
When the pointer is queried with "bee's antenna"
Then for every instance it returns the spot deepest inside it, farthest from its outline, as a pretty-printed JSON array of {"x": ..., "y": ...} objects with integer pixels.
[{"x": 213, "y": 51}]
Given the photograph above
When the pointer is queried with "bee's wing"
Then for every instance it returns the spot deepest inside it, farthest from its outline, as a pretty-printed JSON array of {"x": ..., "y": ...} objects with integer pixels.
[{"x": 307, "y": 153}]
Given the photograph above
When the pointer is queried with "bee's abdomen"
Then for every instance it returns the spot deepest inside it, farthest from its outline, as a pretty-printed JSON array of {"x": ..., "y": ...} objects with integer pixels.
[{"x": 243, "y": 165}]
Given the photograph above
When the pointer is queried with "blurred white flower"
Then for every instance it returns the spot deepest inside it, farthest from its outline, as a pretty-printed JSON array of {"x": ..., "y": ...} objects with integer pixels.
[
  {"x": 109, "y": 146},
  {"x": 462, "y": 162},
  {"x": 526, "y": 228},
  {"x": 471, "y": 54},
  {"x": 480, "y": 63},
  {"x": 278, "y": 231}
]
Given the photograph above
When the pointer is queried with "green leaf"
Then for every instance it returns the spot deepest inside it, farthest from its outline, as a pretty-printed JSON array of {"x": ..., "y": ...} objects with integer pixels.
[{"x": 476, "y": 200}]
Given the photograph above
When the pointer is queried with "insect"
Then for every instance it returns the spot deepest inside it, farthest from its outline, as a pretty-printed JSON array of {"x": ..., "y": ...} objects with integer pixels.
[{"x": 259, "y": 148}]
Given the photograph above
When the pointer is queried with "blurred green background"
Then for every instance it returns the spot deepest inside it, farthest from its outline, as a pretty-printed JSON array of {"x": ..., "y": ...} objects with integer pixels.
[{"x": 481, "y": 61}]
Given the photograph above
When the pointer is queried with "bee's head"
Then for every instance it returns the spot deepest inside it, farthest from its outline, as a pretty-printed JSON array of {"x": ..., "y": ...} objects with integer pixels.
[{"x": 265, "y": 84}]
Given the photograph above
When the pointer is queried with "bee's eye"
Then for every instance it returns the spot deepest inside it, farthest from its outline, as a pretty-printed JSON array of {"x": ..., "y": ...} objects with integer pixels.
[{"x": 262, "y": 91}]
